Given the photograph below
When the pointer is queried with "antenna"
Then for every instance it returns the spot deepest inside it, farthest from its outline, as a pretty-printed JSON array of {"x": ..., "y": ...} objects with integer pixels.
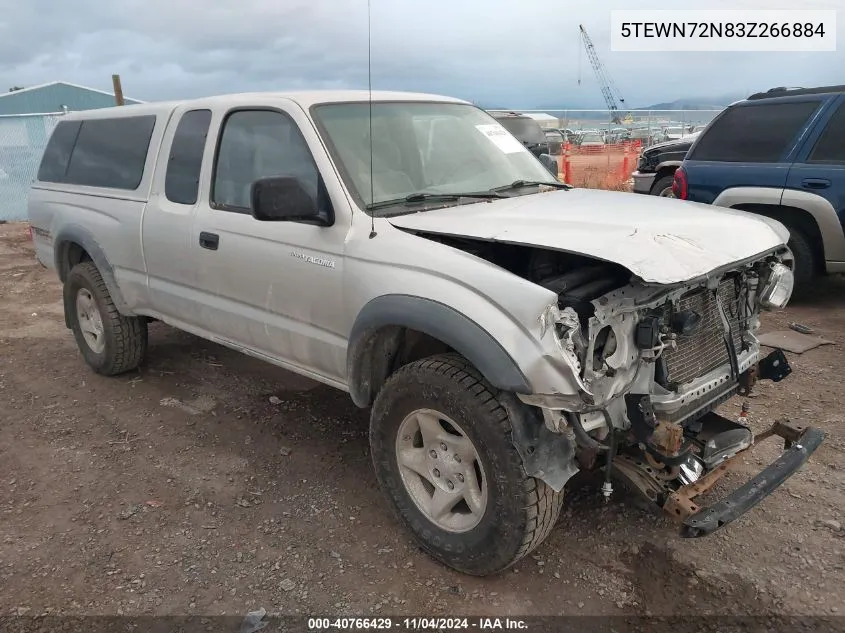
[{"x": 370, "y": 101}]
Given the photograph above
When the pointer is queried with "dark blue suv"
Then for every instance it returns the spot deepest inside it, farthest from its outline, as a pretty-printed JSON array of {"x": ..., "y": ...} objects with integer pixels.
[{"x": 780, "y": 154}]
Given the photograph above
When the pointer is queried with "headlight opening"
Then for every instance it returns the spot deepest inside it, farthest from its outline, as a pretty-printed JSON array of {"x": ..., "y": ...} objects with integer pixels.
[{"x": 778, "y": 286}]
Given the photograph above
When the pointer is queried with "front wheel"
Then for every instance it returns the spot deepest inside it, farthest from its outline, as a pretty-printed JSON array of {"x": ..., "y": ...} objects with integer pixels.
[
  {"x": 663, "y": 187},
  {"x": 442, "y": 451}
]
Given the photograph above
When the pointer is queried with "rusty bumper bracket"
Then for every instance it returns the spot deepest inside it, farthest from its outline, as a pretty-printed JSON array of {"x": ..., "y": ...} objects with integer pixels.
[{"x": 799, "y": 443}]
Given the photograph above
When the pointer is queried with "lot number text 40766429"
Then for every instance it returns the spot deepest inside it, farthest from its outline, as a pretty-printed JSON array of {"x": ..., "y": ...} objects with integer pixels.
[{"x": 417, "y": 624}]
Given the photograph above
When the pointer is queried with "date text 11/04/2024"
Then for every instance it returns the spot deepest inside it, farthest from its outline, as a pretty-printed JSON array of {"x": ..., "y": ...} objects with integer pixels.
[{"x": 417, "y": 624}]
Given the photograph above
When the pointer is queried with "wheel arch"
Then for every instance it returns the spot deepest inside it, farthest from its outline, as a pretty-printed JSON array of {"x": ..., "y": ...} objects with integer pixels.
[
  {"x": 666, "y": 168},
  {"x": 816, "y": 214},
  {"x": 393, "y": 330},
  {"x": 792, "y": 218},
  {"x": 74, "y": 244}
]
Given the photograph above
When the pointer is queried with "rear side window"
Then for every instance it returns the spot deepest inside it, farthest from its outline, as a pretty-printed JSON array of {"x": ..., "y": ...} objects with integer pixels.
[
  {"x": 181, "y": 183},
  {"x": 111, "y": 153},
  {"x": 759, "y": 133},
  {"x": 830, "y": 148},
  {"x": 58, "y": 150}
]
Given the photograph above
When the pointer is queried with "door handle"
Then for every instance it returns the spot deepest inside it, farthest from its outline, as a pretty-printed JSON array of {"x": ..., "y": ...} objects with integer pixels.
[
  {"x": 815, "y": 183},
  {"x": 209, "y": 240}
]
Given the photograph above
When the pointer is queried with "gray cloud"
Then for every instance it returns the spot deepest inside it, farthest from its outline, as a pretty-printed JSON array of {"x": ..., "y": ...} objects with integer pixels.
[{"x": 493, "y": 51}]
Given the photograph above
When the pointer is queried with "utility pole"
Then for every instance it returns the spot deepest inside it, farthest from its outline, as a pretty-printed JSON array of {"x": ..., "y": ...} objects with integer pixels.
[{"x": 118, "y": 90}]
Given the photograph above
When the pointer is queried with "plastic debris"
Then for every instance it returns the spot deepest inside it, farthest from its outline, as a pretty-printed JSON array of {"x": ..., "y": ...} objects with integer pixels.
[
  {"x": 253, "y": 621},
  {"x": 800, "y": 327}
]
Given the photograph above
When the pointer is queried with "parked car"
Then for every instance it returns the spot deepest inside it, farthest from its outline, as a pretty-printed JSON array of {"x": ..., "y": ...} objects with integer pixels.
[
  {"x": 676, "y": 132},
  {"x": 644, "y": 135},
  {"x": 656, "y": 166},
  {"x": 555, "y": 140},
  {"x": 506, "y": 330},
  {"x": 779, "y": 154},
  {"x": 591, "y": 139},
  {"x": 526, "y": 130},
  {"x": 617, "y": 135}
]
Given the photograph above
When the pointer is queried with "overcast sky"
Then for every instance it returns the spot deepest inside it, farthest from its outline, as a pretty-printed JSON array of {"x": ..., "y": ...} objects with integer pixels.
[{"x": 499, "y": 53}]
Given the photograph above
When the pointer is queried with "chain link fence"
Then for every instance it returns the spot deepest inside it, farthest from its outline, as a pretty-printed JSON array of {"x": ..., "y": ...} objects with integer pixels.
[
  {"x": 598, "y": 149},
  {"x": 646, "y": 126},
  {"x": 22, "y": 141}
]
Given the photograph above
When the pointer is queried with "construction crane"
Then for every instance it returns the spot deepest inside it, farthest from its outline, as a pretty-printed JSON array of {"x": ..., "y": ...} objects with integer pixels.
[{"x": 608, "y": 88}]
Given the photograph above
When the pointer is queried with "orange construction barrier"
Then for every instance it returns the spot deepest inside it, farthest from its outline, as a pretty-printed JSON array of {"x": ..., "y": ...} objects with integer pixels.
[
  {"x": 597, "y": 166},
  {"x": 567, "y": 165},
  {"x": 626, "y": 160}
]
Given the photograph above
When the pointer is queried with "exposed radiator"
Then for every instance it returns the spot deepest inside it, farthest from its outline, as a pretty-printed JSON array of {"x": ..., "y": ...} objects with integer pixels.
[{"x": 704, "y": 350}]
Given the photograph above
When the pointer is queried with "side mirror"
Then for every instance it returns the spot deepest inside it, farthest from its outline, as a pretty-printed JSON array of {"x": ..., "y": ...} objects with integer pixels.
[
  {"x": 282, "y": 198},
  {"x": 549, "y": 163}
]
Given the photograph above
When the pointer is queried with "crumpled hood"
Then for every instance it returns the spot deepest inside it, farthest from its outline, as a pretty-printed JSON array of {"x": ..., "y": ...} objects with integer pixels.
[{"x": 661, "y": 240}]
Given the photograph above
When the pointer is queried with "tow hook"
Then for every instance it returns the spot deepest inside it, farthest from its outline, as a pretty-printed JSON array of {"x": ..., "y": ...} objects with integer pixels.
[{"x": 774, "y": 367}]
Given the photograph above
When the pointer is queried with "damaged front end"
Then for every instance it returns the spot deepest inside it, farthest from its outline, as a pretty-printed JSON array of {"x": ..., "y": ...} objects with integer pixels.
[{"x": 652, "y": 363}]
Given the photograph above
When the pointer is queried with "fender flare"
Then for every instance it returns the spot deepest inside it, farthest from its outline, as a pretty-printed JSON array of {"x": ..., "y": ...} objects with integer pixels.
[
  {"x": 437, "y": 320},
  {"x": 817, "y": 207},
  {"x": 73, "y": 233},
  {"x": 668, "y": 163}
]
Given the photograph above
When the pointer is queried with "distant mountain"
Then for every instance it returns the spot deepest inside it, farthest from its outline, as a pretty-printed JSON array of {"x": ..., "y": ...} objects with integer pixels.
[
  {"x": 700, "y": 103},
  {"x": 712, "y": 102}
]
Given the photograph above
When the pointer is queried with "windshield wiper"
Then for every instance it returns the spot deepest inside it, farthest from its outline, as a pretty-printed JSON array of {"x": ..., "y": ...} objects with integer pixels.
[
  {"x": 519, "y": 184},
  {"x": 435, "y": 197}
]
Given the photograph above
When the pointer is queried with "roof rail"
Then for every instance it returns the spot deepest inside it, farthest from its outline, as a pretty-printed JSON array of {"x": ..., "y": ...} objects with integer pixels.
[{"x": 783, "y": 91}]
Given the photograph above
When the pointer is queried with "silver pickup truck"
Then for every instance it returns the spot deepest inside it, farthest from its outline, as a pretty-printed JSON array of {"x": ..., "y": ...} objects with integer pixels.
[{"x": 506, "y": 329}]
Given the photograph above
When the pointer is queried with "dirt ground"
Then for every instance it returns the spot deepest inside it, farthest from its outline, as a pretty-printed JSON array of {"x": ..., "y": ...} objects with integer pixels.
[{"x": 208, "y": 482}]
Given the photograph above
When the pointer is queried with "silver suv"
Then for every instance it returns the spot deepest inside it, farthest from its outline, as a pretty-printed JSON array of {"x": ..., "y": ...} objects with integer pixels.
[{"x": 506, "y": 329}]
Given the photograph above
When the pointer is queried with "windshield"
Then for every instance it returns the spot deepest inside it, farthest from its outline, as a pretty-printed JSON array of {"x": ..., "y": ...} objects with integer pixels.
[{"x": 420, "y": 147}]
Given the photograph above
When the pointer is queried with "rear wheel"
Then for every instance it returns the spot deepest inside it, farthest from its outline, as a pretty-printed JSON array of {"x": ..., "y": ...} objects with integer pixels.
[
  {"x": 442, "y": 451},
  {"x": 110, "y": 342},
  {"x": 804, "y": 266}
]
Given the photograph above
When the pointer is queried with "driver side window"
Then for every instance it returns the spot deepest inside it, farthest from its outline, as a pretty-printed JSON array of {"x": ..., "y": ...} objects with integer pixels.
[{"x": 259, "y": 144}]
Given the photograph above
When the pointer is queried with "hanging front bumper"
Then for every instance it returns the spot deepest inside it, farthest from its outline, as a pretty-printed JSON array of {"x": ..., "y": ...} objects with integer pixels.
[{"x": 799, "y": 443}]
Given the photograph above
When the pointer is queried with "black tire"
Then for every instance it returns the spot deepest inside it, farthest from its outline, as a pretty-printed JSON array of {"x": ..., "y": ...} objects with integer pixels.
[
  {"x": 661, "y": 184},
  {"x": 125, "y": 337},
  {"x": 805, "y": 267},
  {"x": 521, "y": 510}
]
